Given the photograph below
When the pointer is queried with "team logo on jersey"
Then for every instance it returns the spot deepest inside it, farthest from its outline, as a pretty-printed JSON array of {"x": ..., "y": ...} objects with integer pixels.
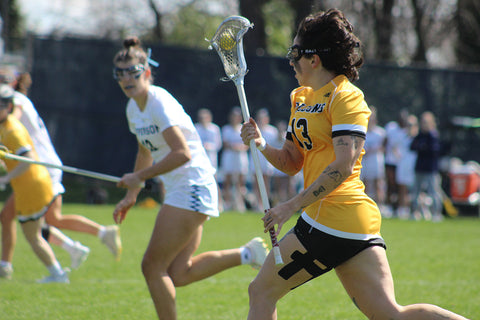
[
  {"x": 317, "y": 108},
  {"x": 327, "y": 94},
  {"x": 152, "y": 129}
]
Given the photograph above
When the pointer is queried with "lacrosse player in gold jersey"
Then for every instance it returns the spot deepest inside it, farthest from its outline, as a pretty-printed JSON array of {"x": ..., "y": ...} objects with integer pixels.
[
  {"x": 339, "y": 225},
  {"x": 31, "y": 185}
]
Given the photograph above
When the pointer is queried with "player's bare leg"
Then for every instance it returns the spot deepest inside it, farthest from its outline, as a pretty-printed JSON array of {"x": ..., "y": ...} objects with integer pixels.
[
  {"x": 168, "y": 260},
  {"x": 72, "y": 222},
  {"x": 109, "y": 235},
  {"x": 32, "y": 232},
  {"x": 9, "y": 229},
  {"x": 368, "y": 280},
  {"x": 268, "y": 287},
  {"x": 186, "y": 269}
]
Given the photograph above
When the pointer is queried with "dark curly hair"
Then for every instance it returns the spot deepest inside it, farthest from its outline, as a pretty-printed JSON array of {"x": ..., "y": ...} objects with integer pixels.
[
  {"x": 132, "y": 49},
  {"x": 332, "y": 35}
]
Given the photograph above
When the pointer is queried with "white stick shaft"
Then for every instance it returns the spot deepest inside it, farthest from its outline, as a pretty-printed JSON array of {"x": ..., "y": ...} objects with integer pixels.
[
  {"x": 73, "y": 170},
  {"x": 258, "y": 169},
  {"x": 253, "y": 150}
]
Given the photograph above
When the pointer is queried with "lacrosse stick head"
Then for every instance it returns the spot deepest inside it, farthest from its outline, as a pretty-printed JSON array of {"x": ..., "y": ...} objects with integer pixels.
[{"x": 228, "y": 42}]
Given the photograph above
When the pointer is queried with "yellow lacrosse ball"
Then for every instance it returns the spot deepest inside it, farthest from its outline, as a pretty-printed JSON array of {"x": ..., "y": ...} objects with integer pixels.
[{"x": 227, "y": 40}]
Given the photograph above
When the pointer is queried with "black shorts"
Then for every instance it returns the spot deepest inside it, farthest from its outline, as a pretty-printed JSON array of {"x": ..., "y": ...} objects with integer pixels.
[{"x": 330, "y": 251}]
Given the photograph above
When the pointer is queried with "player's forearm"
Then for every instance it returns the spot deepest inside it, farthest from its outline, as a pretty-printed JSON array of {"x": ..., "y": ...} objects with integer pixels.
[
  {"x": 330, "y": 179},
  {"x": 283, "y": 160},
  {"x": 173, "y": 160}
]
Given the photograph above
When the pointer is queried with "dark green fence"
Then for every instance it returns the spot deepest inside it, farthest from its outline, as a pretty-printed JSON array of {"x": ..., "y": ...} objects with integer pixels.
[{"x": 83, "y": 106}]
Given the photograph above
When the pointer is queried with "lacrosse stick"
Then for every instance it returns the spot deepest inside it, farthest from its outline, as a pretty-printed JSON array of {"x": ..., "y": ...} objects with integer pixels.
[
  {"x": 4, "y": 154},
  {"x": 228, "y": 42}
]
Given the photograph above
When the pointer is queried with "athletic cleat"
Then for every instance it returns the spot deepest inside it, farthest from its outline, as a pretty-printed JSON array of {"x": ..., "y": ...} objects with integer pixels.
[
  {"x": 78, "y": 255},
  {"x": 61, "y": 278},
  {"x": 112, "y": 240},
  {"x": 259, "y": 250},
  {"x": 6, "y": 272}
]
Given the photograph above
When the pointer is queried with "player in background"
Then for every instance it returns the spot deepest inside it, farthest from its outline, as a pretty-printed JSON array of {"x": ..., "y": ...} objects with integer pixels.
[
  {"x": 270, "y": 134},
  {"x": 428, "y": 147},
  {"x": 169, "y": 147},
  {"x": 373, "y": 162},
  {"x": 406, "y": 167},
  {"x": 25, "y": 111},
  {"x": 339, "y": 225},
  {"x": 234, "y": 163},
  {"x": 31, "y": 186},
  {"x": 211, "y": 137}
]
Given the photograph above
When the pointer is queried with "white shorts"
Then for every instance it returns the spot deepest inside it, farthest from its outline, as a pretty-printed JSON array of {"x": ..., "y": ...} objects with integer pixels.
[
  {"x": 202, "y": 198},
  {"x": 58, "y": 188}
]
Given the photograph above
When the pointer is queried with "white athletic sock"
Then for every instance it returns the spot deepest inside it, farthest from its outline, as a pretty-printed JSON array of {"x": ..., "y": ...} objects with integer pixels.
[
  {"x": 245, "y": 255},
  {"x": 101, "y": 232},
  {"x": 55, "y": 269},
  {"x": 5, "y": 264},
  {"x": 68, "y": 244}
]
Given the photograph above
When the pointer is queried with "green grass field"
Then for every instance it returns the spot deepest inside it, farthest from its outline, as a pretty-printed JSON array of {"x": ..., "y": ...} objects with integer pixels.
[{"x": 437, "y": 263}]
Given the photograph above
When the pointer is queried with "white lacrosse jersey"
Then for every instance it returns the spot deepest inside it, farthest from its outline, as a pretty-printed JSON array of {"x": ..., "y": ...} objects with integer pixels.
[
  {"x": 40, "y": 137},
  {"x": 163, "y": 111}
]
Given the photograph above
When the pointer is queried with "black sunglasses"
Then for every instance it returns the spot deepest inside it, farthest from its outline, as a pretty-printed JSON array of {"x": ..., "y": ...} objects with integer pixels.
[
  {"x": 295, "y": 52},
  {"x": 134, "y": 71}
]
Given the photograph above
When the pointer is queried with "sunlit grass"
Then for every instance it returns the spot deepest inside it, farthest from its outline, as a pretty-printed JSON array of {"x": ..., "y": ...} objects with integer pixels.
[{"x": 431, "y": 262}]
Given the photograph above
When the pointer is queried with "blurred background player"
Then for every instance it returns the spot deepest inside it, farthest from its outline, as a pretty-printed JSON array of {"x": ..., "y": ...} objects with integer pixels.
[
  {"x": 173, "y": 151},
  {"x": 234, "y": 163},
  {"x": 270, "y": 134},
  {"x": 373, "y": 162},
  {"x": 211, "y": 137},
  {"x": 405, "y": 174},
  {"x": 392, "y": 130},
  {"x": 31, "y": 185},
  {"x": 25, "y": 111},
  {"x": 427, "y": 177}
]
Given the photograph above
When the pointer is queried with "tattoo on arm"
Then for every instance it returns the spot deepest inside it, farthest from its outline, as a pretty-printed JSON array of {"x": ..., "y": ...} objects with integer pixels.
[
  {"x": 335, "y": 175},
  {"x": 356, "y": 142},
  {"x": 341, "y": 142},
  {"x": 317, "y": 192}
]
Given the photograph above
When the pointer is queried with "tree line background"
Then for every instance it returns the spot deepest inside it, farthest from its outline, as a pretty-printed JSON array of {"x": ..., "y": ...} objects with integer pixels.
[{"x": 441, "y": 33}]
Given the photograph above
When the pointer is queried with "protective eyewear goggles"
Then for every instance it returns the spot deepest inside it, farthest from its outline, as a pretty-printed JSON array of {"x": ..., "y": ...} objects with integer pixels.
[
  {"x": 295, "y": 52},
  {"x": 133, "y": 71}
]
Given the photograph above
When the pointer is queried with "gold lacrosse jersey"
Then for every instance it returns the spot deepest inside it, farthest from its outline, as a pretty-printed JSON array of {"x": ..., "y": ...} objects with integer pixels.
[
  {"x": 336, "y": 109},
  {"x": 33, "y": 188}
]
